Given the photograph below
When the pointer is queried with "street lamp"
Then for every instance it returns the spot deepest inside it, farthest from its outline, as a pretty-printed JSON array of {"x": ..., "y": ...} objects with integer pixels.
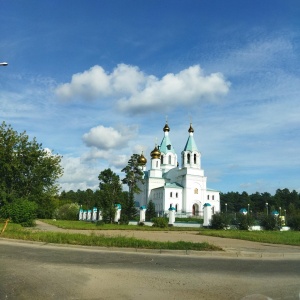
[
  {"x": 248, "y": 207},
  {"x": 3, "y": 64},
  {"x": 267, "y": 208},
  {"x": 226, "y": 208}
]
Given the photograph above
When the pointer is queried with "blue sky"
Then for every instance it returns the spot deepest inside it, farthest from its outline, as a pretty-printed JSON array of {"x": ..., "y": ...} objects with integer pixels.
[{"x": 95, "y": 80}]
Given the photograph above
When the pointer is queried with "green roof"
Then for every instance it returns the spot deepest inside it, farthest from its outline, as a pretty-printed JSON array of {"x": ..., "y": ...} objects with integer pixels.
[
  {"x": 166, "y": 145},
  {"x": 190, "y": 144}
]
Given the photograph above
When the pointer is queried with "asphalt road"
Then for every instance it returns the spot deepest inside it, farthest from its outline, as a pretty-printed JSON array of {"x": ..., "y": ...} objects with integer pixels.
[{"x": 40, "y": 271}]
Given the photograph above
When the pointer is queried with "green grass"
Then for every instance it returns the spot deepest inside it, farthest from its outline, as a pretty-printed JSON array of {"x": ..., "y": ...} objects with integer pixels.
[
  {"x": 82, "y": 225},
  {"x": 15, "y": 231},
  {"x": 271, "y": 237}
]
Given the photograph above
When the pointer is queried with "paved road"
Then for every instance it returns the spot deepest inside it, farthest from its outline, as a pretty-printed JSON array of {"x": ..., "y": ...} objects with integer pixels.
[{"x": 40, "y": 271}]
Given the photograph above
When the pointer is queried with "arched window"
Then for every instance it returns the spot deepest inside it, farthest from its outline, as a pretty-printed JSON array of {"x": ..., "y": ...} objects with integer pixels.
[
  {"x": 195, "y": 191},
  {"x": 169, "y": 159},
  {"x": 195, "y": 158},
  {"x": 176, "y": 195},
  {"x": 162, "y": 159},
  {"x": 171, "y": 194},
  {"x": 157, "y": 164},
  {"x": 176, "y": 207},
  {"x": 188, "y": 158}
]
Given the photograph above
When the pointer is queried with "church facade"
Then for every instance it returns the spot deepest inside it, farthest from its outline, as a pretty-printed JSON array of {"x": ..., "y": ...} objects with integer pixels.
[{"x": 169, "y": 185}]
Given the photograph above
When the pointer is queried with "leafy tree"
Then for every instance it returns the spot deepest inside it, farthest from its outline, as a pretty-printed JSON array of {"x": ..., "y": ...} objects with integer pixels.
[
  {"x": 67, "y": 211},
  {"x": 220, "y": 221},
  {"x": 111, "y": 189},
  {"x": 27, "y": 170},
  {"x": 21, "y": 211},
  {"x": 243, "y": 222},
  {"x": 270, "y": 222},
  {"x": 150, "y": 212}
]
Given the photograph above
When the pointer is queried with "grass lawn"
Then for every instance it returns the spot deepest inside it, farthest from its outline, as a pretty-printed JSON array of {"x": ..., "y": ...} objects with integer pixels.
[
  {"x": 15, "y": 231},
  {"x": 272, "y": 237},
  {"x": 82, "y": 225}
]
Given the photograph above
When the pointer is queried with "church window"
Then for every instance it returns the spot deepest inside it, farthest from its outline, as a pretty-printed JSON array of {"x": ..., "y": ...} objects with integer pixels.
[
  {"x": 188, "y": 158},
  {"x": 157, "y": 164},
  {"x": 171, "y": 194},
  {"x": 207, "y": 197},
  {"x": 195, "y": 191},
  {"x": 162, "y": 159},
  {"x": 176, "y": 207},
  {"x": 169, "y": 159},
  {"x": 195, "y": 158},
  {"x": 176, "y": 195},
  {"x": 213, "y": 197}
]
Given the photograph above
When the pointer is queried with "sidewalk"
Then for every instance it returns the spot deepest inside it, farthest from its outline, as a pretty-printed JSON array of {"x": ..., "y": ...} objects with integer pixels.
[{"x": 231, "y": 247}]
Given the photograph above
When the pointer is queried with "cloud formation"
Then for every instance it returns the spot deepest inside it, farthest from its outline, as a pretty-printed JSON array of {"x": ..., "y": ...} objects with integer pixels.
[
  {"x": 136, "y": 92},
  {"x": 105, "y": 138}
]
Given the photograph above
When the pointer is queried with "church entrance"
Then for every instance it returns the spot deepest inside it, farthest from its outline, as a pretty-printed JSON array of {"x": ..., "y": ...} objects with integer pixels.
[{"x": 196, "y": 210}]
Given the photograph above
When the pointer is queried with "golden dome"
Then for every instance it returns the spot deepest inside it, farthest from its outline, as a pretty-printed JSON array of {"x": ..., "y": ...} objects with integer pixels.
[
  {"x": 142, "y": 161},
  {"x": 191, "y": 129},
  {"x": 166, "y": 128},
  {"x": 155, "y": 153}
]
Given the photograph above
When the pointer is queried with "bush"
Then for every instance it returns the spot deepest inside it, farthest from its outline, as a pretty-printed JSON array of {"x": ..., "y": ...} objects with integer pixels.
[
  {"x": 67, "y": 212},
  {"x": 294, "y": 222},
  {"x": 21, "y": 211},
  {"x": 124, "y": 220},
  {"x": 160, "y": 222},
  {"x": 100, "y": 223},
  {"x": 219, "y": 221},
  {"x": 243, "y": 222},
  {"x": 270, "y": 223}
]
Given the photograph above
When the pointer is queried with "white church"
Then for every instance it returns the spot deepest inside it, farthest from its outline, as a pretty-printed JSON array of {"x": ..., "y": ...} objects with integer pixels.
[{"x": 169, "y": 185}]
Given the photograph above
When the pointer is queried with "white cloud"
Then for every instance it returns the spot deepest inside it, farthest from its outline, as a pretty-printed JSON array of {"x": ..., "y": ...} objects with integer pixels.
[
  {"x": 96, "y": 83},
  {"x": 136, "y": 92},
  {"x": 109, "y": 138},
  {"x": 77, "y": 175},
  {"x": 186, "y": 87}
]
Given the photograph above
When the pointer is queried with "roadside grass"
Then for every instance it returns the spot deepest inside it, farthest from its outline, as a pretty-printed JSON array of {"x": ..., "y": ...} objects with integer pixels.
[
  {"x": 271, "y": 237},
  {"x": 82, "y": 225},
  {"x": 15, "y": 231}
]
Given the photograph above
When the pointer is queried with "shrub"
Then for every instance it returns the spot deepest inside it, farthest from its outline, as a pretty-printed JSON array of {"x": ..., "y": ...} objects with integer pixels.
[
  {"x": 294, "y": 222},
  {"x": 160, "y": 222},
  {"x": 243, "y": 222},
  {"x": 67, "y": 211},
  {"x": 124, "y": 220},
  {"x": 21, "y": 211},
  {"x": 219, "y": 221},
  {"x": 100, "y": 223},
  {"x": 270, "y": 222}
]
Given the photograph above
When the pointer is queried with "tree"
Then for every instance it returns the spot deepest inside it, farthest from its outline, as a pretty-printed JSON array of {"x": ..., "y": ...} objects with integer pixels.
[
  {"x": 111, "y": 189},
  {"x": 150, "y": 212},
  {"x": 27, "y": 170},
  {"x": 134, "y": 175}
]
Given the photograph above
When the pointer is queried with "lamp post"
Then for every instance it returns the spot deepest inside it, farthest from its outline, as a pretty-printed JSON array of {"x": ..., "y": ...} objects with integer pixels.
[
  {"x": 267, "y": 208},
  {"x": 285, "y": 216},
  {"x": 248, "y": 207},
  {"x": 226, "y": 208},
  {"x": 3, "y": 64},
  {"x": 280, "y": 221}
]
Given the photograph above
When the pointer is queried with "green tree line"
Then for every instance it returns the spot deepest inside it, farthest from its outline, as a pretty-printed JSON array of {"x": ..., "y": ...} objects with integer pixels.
[{"x": 283, "y": 199}]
